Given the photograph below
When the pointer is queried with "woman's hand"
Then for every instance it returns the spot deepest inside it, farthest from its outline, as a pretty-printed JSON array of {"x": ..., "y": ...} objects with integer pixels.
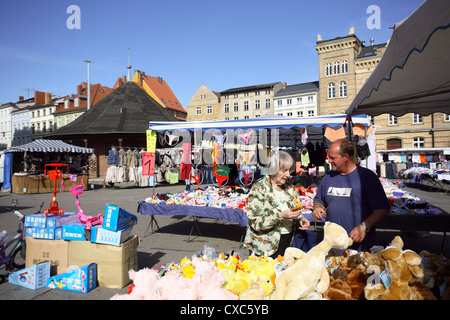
[
  {"x": 304, "y": 224},
  {"x": 288, "y": 214}
]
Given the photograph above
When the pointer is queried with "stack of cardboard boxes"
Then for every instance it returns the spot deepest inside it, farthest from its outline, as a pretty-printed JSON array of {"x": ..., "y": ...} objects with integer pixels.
[{"x": 106, "y": 252}]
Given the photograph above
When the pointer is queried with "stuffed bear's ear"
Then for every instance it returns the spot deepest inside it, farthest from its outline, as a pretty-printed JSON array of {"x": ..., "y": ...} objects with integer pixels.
[
  {"x": 327, "y": 223},
  {"x": 350, "y": 241}
]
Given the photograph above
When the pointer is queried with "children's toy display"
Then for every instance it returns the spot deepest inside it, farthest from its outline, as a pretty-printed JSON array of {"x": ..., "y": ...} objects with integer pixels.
[
  {"x": 82, "y": 217},
  {"x": 33, "y": 277},
  {"x": 117, "y": 218},
  {"x": 384, "y": 273},
  {"x": 230, "y": 197},
  {"x": 82, "y": 279},
  {"x": 39, "y": 226},
  {"x": 55, "y": 174}
]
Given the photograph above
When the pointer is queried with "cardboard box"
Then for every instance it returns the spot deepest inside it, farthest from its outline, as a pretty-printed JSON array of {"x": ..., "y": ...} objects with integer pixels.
[
  {"x": 116, "y": 218},
  {"x": 75, "y": 231},
  {"x": 40, "y": 221},
  {"x": 82, "y": 279},
  {"x": 44, "y": 233},
  {"x": 113, "y": 263},
  {"x": 115, "y": 238},
  {"x": 33, "y": 277},
  {"x": 56, "y": 251}
]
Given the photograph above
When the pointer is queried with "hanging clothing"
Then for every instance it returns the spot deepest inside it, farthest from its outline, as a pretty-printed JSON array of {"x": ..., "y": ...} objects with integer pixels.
[
  {"x": 113, "y": 157},
  {"x": 334, "y": 135}
]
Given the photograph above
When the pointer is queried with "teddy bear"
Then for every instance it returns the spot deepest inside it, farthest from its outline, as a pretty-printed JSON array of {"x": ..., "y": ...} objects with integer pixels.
[
  {"x": 309, "y": 274},
  {"x": 404, "y": 268}
]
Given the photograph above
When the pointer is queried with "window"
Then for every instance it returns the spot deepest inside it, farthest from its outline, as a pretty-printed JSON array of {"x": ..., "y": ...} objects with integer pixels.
[
  {"x": 392, "y": 120},
  {"x": 77, "y": 102},
  {"x": 245, "y": 105},
  {"x": 331, "y": 91},
  {"x": 393, "y": 144},
  {"x": 310, "y": 99},
  {"x": 280, "y": 102},
  {"x": 227, "y": 108},
  {"x": 257, "y": 104},
  {"x": 267, "y": 103},
  {"x": 328, "y": 69},
  {"x": 236, "y": 106},
  {"x": 199, "y": 110},
  {"x": 417, "y": 118},
  {"x": 66, "y": 104},
  {"x": 299, "y": 114},
  {"x": 299, "y": 100},
  {"x": 446, "y": 117},
  {"x": 310, "y": 113},
  {"x": 419, "y": 142},
  {"x": 289, "y": 101},
  {"x": 336, "y": 67},
  {"x": 246, "y": 117},
  {"x": 209, "y": 109},
  {"x": 344, "y": 66},
  {"x": 289, "y": 114},
  {"x": 342, "y": 89}
]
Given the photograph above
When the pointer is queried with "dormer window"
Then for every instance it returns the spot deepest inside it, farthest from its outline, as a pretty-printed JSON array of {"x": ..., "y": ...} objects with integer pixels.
[
  {"x": 77, "y": 102},
  {"x": 66, "y": 104}
]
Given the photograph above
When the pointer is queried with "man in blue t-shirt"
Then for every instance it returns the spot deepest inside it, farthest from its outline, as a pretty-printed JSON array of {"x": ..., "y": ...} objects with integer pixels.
[{"x": 351, "y": 196}]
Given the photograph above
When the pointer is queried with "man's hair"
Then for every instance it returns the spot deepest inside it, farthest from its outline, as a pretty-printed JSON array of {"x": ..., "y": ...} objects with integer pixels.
[{"x": 345, "y": 146}]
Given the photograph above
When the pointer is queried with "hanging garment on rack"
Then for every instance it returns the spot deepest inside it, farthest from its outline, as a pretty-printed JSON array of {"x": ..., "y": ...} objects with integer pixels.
[
  {"x": 304, "y": 136},
  {"x": 113, "y": 157},
  {"x": 363, "y": 150},
  {"x": 334, "y": 135},
  {"x": 305, "y": 157}
]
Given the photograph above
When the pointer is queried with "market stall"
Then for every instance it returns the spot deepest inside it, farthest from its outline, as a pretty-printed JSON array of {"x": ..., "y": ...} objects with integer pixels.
[{"x": 24, "y": 172}]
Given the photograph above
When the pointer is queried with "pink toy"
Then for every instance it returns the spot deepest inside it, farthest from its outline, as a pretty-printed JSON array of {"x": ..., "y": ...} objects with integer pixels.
[
  {"x": 83, "y": 218},
  {"x": 206, "y": 284}
]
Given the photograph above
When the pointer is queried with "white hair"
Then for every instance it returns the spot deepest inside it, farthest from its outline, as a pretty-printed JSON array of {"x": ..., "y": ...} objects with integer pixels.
[{"x": 279, "y": 160}]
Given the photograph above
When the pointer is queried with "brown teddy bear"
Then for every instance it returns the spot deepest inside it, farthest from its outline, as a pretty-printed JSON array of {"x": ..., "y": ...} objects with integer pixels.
[{"x": 404, "y": 268}]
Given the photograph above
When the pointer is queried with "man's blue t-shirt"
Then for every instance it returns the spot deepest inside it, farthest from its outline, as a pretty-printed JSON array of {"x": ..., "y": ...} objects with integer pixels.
[{"x": 351, "y": 198}]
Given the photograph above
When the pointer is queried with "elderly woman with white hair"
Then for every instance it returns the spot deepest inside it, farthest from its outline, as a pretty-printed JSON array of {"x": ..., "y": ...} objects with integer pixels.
[{"x": 272, "y": 213}]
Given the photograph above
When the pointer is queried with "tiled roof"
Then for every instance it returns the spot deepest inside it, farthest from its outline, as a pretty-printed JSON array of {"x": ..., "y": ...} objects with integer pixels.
[
  {"x": 128, "y": 109},
  {"x": 298, "y": 89},
  {"x": 162, "y": 90},
  {"x": 98, "y": 92}
]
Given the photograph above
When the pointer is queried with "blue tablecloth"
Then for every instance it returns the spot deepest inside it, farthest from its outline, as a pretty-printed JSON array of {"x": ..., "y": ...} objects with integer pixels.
[{"x": 237, "y": 216}]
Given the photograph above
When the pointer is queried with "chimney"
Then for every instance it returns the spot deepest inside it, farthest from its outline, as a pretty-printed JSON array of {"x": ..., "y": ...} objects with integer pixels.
[
  {"x": 372, "y": 41},
  {"x": 21, "y": 98},
  {"x": 48, "y": 98},
  {"x": 284, "y": 85},
  {"x": 39, "y": 97},
  {"x": 79, "y": 89},
  {"x": 139, "y": 77}
]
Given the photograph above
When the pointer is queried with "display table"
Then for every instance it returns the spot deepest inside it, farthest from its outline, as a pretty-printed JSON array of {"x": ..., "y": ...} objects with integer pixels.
[
  {"x": 236, "y": 216},
  {"x": 24, "y": 183}
]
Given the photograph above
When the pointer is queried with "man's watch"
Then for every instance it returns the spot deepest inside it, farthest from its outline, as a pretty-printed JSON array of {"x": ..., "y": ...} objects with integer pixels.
[{"x": 366, "y": 230}]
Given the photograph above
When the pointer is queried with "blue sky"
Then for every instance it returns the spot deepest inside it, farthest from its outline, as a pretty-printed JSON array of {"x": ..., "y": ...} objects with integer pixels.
[{"x": 223, "y": 44}]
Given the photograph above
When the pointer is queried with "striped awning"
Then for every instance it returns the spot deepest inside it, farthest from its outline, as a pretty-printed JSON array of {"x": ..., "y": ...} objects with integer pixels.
[{"x": 42, "y": 145}]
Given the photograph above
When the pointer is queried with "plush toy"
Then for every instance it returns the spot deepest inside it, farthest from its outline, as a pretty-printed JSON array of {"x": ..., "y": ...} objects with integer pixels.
[
  {"x": 255, "y": 292},
  {"x": 404, "y": 268},
  {"x": 206, "y": 284},
  {"x": 309, "y": 274},
  {"x": 338, "y": 290}
]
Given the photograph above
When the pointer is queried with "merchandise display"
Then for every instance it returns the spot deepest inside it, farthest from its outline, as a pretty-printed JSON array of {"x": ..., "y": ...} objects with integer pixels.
[{"x": 383, "y": 273}]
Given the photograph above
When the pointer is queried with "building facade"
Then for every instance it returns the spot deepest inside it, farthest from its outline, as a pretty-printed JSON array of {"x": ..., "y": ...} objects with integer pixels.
[
  {"x": 345, "y": 64},
  {"x": 204, "y": 105},
  {"x": 248, "y": 102},
  {"x": 298, "y": 100}
]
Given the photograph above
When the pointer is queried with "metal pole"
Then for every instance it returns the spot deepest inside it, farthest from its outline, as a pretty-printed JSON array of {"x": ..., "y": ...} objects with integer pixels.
[{"x": 88, "y": 83}]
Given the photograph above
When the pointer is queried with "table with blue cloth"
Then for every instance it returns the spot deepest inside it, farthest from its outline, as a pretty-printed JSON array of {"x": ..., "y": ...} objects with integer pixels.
[{"x": 236, "y": 216}]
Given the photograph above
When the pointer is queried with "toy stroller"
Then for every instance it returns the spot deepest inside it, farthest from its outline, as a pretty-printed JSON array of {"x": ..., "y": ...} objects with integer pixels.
[
  {"x": 83, "y": 218},
  {"x": 56, "y": 174}
]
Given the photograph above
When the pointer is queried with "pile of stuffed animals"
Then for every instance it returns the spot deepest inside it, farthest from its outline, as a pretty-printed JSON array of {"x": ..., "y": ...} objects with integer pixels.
[{"x": 389, "y": 273}]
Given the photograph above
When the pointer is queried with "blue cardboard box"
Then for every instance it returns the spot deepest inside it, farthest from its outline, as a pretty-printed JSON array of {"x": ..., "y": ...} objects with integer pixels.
[
  {"x": 116, "y": 218},
  {"x": 75, "y": 231},
  {"x": 82, "y": 279},
  {"x": 40, "y": 221},
  {"x": 33, "y": 277},
  {"x": 44, "y": 233},
  {"x": 115, "y": 238}
]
